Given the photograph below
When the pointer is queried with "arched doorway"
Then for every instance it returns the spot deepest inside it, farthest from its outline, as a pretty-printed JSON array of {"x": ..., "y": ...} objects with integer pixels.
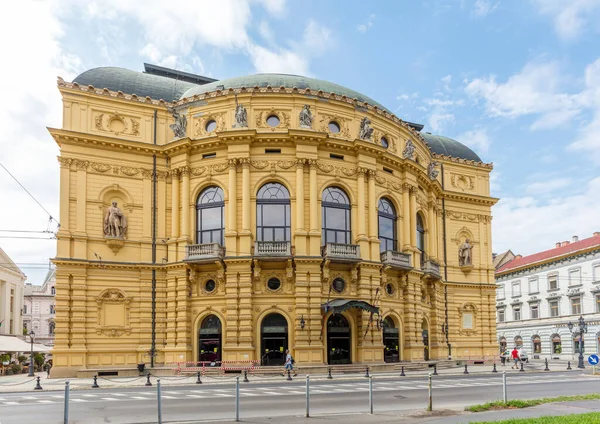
[
  {"x": 425, "y": 334},
  {"x": 518, "y": 342},
  {"x": 556, "y": 344},
  {"x": 209, "y": 339},
  {"x": 338, "y": 340},
  {"x": 502, "y": 344},
  {"x": 273, "y": 339},
  {"x": 391, "y": 341},
  {"x": 537, "y": 344}
]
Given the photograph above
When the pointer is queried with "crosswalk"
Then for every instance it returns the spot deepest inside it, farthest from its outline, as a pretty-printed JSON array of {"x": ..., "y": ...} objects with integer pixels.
[{"x": 317, "y": 388}]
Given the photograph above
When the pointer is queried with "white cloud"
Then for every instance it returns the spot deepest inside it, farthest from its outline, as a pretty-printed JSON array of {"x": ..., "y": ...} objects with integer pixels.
[
  {"x": 367, "y": 25},
  {"x": 547, "y": 186},
  {"x": 439, "y": 121},
  {"x": 265, "y": 32},
  {"x": 482, "y": 8},
  {"x": 571, "y": 17},
  {"x": 317, "y": 38},
  {"x": 281, "y": 60},
  {"x": 477, "y": 139}
]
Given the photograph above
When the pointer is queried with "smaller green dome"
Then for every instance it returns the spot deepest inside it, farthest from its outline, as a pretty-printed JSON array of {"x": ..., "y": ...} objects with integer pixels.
[{"x": 449, "y": 147}]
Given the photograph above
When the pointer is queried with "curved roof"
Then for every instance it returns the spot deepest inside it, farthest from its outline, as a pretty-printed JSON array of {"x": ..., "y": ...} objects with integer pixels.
[
  {"x": 132, "y": 82},
  {"x": 449, "y": 147},
  {"x": 281, "y": 80}
]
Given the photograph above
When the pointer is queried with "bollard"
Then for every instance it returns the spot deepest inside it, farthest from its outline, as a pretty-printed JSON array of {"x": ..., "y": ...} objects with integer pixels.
[
  {"x": 95, "y": 384},
  {"x": 466, "y": 371},
  {"x": 307, "y": 396},
  {"x": 371, "y": 395},
  {"x": 246, "y": 377},
  {"x": 367, "y": 372},
  {"x": 522, "y": 370},
  {"x": 148, "y": 380},
  {"x": 66, "y": 418},
  {"x": 237, "y": 399},
  {"x": 569, "y": 365},
  {"x": 435, "y": 369},
  {"x": 546, "y": 369},
  {"x": 504, "y": 396},
  {"x": 158, "y": 400},
  {"x": 430, "y": 405},
  {"x": 198, "y": 381},
  {"x": 329, "y": 373},
  {"x": 289, "y": 375},
  {"x": 494, "y": 370},
  {"x": 402, "y": 373},
  {"x": 38, "y": 386}
]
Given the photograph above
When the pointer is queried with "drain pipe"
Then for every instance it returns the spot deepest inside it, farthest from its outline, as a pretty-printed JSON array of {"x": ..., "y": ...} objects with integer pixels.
[
  {"x": 153, "y": 346},
  {"x": 445, "y": 266}
]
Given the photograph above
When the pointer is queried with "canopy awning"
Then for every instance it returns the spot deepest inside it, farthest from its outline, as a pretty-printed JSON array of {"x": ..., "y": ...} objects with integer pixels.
[
  {"x": 338, "y": 306},
  {"x": 14, "y": 344}
]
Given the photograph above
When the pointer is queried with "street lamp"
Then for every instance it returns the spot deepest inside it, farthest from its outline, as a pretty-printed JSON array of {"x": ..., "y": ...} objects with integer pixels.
[
  {"x": 31, "y": 336},
  {"x": 582, "y": 328}
]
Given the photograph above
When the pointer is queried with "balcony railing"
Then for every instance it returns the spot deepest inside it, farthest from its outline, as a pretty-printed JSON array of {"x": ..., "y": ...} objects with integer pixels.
[
  {"x": 396, "y": 259},
  {"x": 341, "y": 251},
  {"x": 272, "y": 249},
  {"x": 202, "y": 252},
  {"x": 431, "y": 268}
]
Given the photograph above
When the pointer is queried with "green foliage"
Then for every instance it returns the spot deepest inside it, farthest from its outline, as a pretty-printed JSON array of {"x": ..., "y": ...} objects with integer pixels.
[
  {"x": 22, "y": 358},
  {"x": 9, "y": 371},
  {"x": 519, "y": 403},
  {"x": 5, "y": 357},
  {"x": 16, "y": 368},
  {"x": 589, "y": 418},
  {"x": 25, "y": 332},
  {"x": 39, "y": 359}
]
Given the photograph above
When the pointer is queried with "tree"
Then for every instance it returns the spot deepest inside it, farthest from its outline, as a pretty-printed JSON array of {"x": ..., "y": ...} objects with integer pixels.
[
  {"x": 22, "y": 358},
  {"x": 39, "y": 359}
]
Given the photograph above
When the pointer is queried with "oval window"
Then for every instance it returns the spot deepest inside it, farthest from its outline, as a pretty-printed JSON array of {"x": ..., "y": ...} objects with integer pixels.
[
  {"x": 273, "y": 120},
  {"x": 210, "y": 286},
  {"x": 211, "y": 126},
  {"x": 334, "y": 127},
  {"x": 389, "y": 288},
  {"x": 384, "y": 142},
  {"x": 274, "y": 284},
  {"x": 338, "y": 285}
]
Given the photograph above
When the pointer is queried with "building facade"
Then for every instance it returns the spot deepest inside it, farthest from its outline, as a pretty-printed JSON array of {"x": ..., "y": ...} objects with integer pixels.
[
  {"x": 231, "y": 220},
  {"x": 12, "y": 281},
  {"x": 538, "y": 295},
  {"x": 39, "y": 309}
]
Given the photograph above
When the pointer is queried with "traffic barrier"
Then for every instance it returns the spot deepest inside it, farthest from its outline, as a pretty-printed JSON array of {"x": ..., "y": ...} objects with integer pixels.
[
  {"x": 239, "y": 366},
  {"x": 148, "y": 383},
  {"x": 466, "y": 370},
  {"x": 95, "y": 384},
  {"x": 289, "y": 373},
  {"x": 546, "y": 361},
  {"x": 435, "y": 369},
  {"x": 198, "y": 381},
  {"x": 367, "y": 372},
  {"x": 522, "y": 369},
  {"x": 494, "y": 370},
  {"x": 246, "y": 377},
  {"x": 569, "y": 365},
  {"x": 307, "y": 396},
  {"x": 371, "y": 395},
  {"x": 402, "y": 373},
  {"x": 38, "y": 386},
  {"x": 329, "y": 373},
  {"x": 66, "y": 408},
  {"x": 158, "y": 400}
]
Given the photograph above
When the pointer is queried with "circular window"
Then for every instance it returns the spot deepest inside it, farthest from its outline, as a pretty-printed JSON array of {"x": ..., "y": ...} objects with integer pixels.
[
  {"x": 273, "y": 120},
  {"x": 384, "y": 142},
  {"x": 211, "y": 125},
  {"x": 210, "y": 286},
  {"x": 334, "y": 127},
  {"x": 338, "y": 285},
  {"x": 389, "y": 288},
  {"x": 273, "y": 284}
]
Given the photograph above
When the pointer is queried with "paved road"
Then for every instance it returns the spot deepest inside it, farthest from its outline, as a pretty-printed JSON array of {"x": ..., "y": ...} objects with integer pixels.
[{"x": 216, "y": 402}]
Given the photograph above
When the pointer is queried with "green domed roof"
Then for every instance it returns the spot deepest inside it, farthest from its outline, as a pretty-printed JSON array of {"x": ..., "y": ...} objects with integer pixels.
[
  {"x": 449, "y": 147},
  {"x": 281, "y": 80}
]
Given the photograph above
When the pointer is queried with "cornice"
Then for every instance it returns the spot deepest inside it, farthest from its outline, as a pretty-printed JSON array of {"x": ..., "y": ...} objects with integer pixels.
[
  {"x": 471, "y": 198},
  {"x": 62, "y": 136}
]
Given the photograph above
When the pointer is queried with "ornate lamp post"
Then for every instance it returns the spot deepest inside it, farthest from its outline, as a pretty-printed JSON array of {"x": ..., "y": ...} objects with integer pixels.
[
  {"x": 579, "y": 330},
  {"x": 31, "y": 336}
]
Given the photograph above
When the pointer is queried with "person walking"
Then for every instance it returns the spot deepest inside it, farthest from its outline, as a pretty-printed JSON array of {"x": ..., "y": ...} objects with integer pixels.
[
  {"x": 515, "y": 357},
  {"x": 289, "y": 362}
]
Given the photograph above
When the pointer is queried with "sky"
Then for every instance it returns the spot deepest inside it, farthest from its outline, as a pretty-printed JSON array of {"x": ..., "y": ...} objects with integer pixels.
[{"x": 518, "y": 81}]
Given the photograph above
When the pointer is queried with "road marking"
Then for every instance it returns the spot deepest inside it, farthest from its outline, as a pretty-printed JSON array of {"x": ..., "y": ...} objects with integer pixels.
[
  {"x": 173, "y": 393},
  {"x": 11, "y": 403},
  {"x": 74, "y": 400},
  {"x": 295, "y": 392},
  {"x": 197, "y": 396},
  {"x": 119, "y": 394},
  {"x": 169, "y": 397},
  {"x": 89, "y": 395},
  {"x": 222, "y": 395},
  {"x": 47, "y": 401},
  {"x": 109, "y": 399},
  {"x": 57, "y": 397},
  {"x": 272, "y": 393},
  {"x": 139, "y": 398}
]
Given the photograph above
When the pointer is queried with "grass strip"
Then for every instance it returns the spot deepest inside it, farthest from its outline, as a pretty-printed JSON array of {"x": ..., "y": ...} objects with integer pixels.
[
  {"x": 589, "y": 418},
  {"x": 520, "y": 403}
]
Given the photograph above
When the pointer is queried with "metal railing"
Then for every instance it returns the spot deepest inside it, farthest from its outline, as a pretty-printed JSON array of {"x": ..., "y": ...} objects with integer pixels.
[
  {"x": 195, "y": 252},
  {"x": 396, "y": 259},
  {"x": 341, "y": 251},
  {"x": 272, "y": 248}
]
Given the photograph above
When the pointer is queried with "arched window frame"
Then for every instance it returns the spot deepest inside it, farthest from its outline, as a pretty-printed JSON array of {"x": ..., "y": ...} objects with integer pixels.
[
  {"x": 330, "y": 201},
  {"x": 421, "y": 237},
  {"x": 276, "y": 197},
  {"x": 211, "y": 198},
  {"x": 387, "y": 212}
]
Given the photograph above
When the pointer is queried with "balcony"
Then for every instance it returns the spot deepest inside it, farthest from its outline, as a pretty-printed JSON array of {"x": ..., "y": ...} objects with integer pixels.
[
  {"x": 204, "y": 252},
  {"x": 396, "y": 260},
  {"x": 272, "y": 249},
  {"x": 340, "y": 252},
  {"x": 431, "y": 268}
]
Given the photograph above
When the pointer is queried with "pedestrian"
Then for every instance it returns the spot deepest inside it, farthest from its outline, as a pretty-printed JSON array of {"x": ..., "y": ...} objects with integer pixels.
[
  {"x": 47, "y": 367},
  {"x": 503, "y": 357},
  {"x": 289, "y": 362},
  {"x": 515, "y": 357}
]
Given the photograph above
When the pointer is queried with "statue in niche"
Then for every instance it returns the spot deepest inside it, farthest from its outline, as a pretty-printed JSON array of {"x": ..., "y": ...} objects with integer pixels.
[
  {"x": 241, "y": 116},
  {"x": 409, "y": 150},
  {"x": 180, "y": 125},
  {"x": 432, "y": 171},
  {"x": 365, "y": 131},
  {"x": 115, "y": 223},
  {"x": 306, "y": 117},
  {"x": 465, "y": 258}
]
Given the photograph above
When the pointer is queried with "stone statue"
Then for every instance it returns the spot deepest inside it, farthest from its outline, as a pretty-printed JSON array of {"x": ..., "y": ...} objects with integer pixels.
[
  {"x": 365, "y": 131},
  {"x": 180, "y": 125},
  {"x": 115, "y": 223},
  {"x": 464, "y": 254},
  {"x": 431, "y": 171},
  {"x": 409, "y": 150},
  {"x": 241, "y": 116},
  {"x": 306, "y": 117}
]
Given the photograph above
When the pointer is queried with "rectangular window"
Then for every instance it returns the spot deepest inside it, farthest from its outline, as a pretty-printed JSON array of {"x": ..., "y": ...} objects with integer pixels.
[
  {"x": 24, "y": 309},
  {"x": 516, "y": 288},
  {"x": 575, "y": 277},
  {"x": 553, "y": 282},
  {"x": 501, "y": 315},
  {"x": 272, "y": 151},
  {"x": 501, "y": 294},
  {"x": 553, "y": 304},
  {"x": 388, "y": 170},
  {"x": 209, "y": 155},
  {"x": 534, "y": 286},
  {"x": 596, "y": 273},
  {"x": 576, "y": 305},
  {"x": 517, "y": 313},
  {"x": 535, "y": 312},
  {"x": 334, "y": 156},
  {"x": 467, "y": 320},
  {"x": 598, "y": 303}
]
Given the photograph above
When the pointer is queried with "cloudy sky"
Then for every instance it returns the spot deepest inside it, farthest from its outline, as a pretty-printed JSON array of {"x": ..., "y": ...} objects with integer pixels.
[{"x": 516, "y": 80}]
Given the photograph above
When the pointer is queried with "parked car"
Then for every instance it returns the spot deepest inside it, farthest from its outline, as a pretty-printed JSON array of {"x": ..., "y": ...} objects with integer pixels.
[{"x": 523, "y": 355}]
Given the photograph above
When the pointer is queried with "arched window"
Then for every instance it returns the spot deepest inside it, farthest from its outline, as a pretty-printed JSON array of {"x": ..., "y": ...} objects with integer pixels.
[
  {"x": 537, "y": 344},
  {"x": 391, "y": 341},
  {"x": 209, "y": 339},
  {"x": 421, "y": 237},
  {"x": 53, "y": 290},
  {"x": 209, "y": 214},
  {"x": 51, "y": 328},
  {"x": 387, "y": 225},
  {"x": 274, "y": 339},
  {"x": 336, "y": 216},
  {"x": 556, "y": 344},
  {"x": 273, "y": 213},
  {"x": 518, "y": 342}
]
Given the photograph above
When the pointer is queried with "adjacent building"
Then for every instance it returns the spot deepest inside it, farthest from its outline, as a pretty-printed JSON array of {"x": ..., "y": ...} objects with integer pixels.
[
  {"x": 538, "y": 295},
  {"x": 39, "y": 309},
  {"x": 231, "y": 220},
  {"x": 12, "y": 281}
]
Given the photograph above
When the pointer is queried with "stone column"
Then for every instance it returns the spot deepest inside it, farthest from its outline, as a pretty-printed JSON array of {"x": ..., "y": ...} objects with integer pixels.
[
  {"x": 175, "y": 220},
  {"x": 405, "y": 237},
  {"x": 360, "y": 200},
  {"x": 413, "y": 228},
  {"x": 232, "y": 215},
  {"x": 185, "y": 204},
  {"x": 431, "y": 239},
  {"x": 315, "y": 231},
  {"x": 63, "y": 249},
  {"x": 246, "y": 238},
  {"x": 300, "y": 232},
  {"x": 373, "y": 219},
  {"x": 80, "y": 209}
]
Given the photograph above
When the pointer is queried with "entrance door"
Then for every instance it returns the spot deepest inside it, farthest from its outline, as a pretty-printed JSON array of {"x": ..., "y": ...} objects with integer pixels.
[
  {"x": 209, "y": 340},
  {"x": 274, "y": 340},
  {"x": 338, "y": 340},
  {"x": 391, "y": 341},
  {"x": 425, "y": 334}
]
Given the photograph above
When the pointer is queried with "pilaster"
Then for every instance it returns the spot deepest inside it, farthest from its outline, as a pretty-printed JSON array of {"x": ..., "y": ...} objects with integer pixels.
[{"x": 300, "y": 233}]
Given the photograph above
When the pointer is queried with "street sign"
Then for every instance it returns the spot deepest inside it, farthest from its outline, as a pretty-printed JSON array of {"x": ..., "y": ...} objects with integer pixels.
[{"x": 593, "y": 359}]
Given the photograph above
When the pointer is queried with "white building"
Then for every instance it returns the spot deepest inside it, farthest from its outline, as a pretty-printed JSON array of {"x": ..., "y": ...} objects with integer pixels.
[
  {"x": 39, "y": 309},
  {"x": 538, "y": 295},
  {"x": 11, "y": 296}
]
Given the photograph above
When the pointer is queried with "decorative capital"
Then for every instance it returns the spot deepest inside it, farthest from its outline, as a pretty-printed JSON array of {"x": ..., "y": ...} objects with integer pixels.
[
  {"x": 232, "y": 163},
  {"x": 185, "y": 170},
  {"x": 64, "y": 162},
  {"x": 300, "y": 163},
  {"x": 81, "y": 164}
]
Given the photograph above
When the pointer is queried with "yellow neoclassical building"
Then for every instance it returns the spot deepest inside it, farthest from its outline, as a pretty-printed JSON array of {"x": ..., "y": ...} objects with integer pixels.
[{"x": 230, "y": 220}]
